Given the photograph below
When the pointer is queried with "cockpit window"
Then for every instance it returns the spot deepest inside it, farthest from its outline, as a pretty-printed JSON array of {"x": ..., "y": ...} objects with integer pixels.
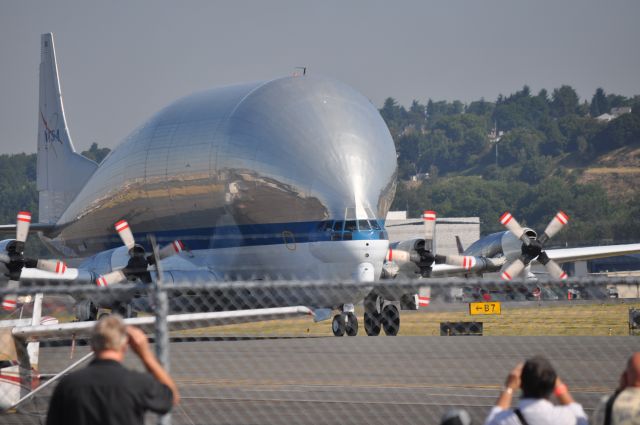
[
  {"x": 364, "y": 225},
  {"x": 350, "y": 226},
  {"x": 375, "y": 225},
  {"x": 337, "y": 226},
  {"x": 324, "y": 226}
]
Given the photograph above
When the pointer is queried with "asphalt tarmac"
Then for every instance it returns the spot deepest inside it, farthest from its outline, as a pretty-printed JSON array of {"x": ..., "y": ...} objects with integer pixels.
[{"x": 362, "y": 380}]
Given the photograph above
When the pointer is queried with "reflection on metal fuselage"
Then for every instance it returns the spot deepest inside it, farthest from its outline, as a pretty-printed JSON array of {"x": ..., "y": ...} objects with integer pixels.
[{"x": 290, "y": 176}]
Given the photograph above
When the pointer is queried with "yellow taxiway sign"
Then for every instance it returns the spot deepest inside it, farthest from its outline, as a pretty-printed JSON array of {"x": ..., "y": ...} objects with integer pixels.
[{"x": 485, "y": 308}]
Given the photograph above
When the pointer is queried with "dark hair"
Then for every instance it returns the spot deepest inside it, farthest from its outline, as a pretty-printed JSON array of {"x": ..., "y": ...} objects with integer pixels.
[{"x": 538, "y": 378}]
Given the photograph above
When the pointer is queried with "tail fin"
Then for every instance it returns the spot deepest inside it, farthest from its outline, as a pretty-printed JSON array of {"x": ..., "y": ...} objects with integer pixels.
[
  {"x": 459, "y": 245},
  {"x": 61, "y": 171}
]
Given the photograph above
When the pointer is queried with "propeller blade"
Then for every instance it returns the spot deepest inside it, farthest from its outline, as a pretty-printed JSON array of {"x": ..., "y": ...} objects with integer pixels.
[
  {"x": 114, "y": 277},
  {"x": 22, "y": 225},
  {"x": 513, "y": 270},
  {"x": 123, "y": 229},
  {"x": 466, "y": 262},
  {"x": 555, "y": 271},
  {"x": 173, "y": 248},
  {"x": 556, "y": 224},
  {"x": 398, "y": 256},
  {"x": 10, "y": 301},
  {"x": 514, "y": 227},
  {"x": 55, "y": 266},
  {"x": 429, "y": 221}
]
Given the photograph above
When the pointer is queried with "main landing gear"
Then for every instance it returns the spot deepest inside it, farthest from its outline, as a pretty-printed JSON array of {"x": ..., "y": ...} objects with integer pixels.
[{"x": 377, "y": 316}]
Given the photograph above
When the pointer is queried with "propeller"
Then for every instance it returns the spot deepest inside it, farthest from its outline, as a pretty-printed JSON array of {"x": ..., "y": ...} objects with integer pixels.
[
  {"x": 427, "y": 256},
  {"x": 15, "y": 261},
  {"x": 533, "y": 248},
  {"x": 139, "y": 261}
]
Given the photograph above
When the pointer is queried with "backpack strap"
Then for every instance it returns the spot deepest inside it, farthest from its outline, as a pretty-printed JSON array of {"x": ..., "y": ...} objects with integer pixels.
[
  {"x": 608, "y": 409},
  {"x": 520, "y": 416}
]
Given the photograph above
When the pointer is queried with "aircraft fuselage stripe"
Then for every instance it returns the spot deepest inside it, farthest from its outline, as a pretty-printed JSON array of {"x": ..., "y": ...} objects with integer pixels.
[{"x": 241, "y": 236}]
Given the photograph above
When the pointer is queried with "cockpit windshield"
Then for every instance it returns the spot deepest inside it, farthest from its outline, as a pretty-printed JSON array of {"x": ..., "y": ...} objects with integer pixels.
[{"x": 353, "y": 227}]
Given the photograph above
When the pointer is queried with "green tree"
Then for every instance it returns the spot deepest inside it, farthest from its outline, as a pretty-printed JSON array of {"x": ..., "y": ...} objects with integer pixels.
[
  {"x": 599, "y": 103},
  {"x": 564, "y": 101},
  {"x": 95, "y": 153}
]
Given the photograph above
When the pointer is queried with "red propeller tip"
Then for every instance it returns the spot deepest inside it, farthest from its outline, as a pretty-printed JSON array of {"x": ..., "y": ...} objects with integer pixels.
[
  {"x": 121, "y": 225},
  {"x": 178, "y": 246},
  {"x": 468, "y": 263},
  {"x": 562, "y": 217},
  {"x": 429, "y": 215},
  {"x": 24, "y": 216},
  {"x": 8, "y": 305},
  {"x": 506, "y": 276},
  {"x": 101, "y": 281},
  {"x": 61, "y": 267},
  {"x": 505, "y": 218}
]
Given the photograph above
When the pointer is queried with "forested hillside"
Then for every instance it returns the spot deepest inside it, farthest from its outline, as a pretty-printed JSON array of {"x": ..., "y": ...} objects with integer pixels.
[
  {"x": 18, "y": 190},
  {"x": 552, "y": 153}
]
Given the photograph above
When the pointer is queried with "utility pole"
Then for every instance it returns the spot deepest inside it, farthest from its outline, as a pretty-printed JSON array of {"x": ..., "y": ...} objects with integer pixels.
[{"x": 494, "y": 137}]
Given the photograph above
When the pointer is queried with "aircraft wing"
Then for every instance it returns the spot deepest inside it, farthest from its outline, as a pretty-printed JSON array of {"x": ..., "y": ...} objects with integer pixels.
[
  {"x": 10, "y": 229},
  {"x": 565, "y": 255},
  {"x": 174, "y": 321}
]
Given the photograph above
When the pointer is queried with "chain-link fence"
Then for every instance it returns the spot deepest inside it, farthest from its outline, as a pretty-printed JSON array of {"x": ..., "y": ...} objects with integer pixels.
[{"x": 265, "y": 352}]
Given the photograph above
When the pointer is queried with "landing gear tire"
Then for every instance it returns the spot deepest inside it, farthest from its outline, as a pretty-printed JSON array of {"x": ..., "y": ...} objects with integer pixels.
[
  {"x": 86, "y": 311},
  {"x": 372, "y": 323},
  {"x": 124, "y": 310},
  {"x": 390, "y": 320},
  {"x": 351, "y": 324},
  {"x": 338, "y": 325}
]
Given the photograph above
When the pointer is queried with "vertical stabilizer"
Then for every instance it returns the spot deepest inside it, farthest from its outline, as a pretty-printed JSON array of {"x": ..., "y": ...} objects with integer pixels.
[{"x": 61, "y": 171}]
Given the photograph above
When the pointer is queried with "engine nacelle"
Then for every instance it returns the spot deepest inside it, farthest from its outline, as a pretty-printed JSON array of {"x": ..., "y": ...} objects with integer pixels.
[
  {"x": 3, "y": 245},
  {"x": 107, "y": 261},
  {"x": 3, "y": 250},
  {"x": 410, "y": 256},
  {"x": 511, "y": 246},
  {"x": 498, "y": 245}
]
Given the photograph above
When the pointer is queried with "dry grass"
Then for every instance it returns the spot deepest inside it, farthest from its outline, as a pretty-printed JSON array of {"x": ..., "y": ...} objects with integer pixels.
[{"x": 592, "y": 320}]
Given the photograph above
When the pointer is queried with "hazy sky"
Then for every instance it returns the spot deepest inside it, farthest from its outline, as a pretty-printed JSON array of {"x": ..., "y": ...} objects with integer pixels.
[{"x": 121, "y": 61}]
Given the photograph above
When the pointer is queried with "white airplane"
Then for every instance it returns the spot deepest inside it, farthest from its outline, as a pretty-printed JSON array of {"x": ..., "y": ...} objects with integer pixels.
[
  {"x": 20, "y": 339},
  {"x": 284, "y": 179},
  {"x": 511, "y": 252}
]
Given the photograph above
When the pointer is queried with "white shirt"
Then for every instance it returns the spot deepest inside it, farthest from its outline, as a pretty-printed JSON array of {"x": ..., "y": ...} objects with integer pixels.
[
  {"x": 626, "y": 408},
  {"x": 539, "y": 412}
]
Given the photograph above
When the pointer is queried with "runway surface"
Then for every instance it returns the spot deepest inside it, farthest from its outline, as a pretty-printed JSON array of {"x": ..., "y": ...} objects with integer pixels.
[{"x": 362, "y": 380}]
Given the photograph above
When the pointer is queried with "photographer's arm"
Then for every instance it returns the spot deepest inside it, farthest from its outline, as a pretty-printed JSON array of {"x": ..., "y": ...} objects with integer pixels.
[{"x": 140, "y": 345}]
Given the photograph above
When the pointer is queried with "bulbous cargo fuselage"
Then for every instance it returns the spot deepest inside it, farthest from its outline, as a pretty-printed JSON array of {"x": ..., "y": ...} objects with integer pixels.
[{"x": 284, "y": 162}]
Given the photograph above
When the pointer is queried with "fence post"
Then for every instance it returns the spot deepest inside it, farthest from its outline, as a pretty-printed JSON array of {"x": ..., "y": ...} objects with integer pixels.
[{"x": 162, "y": 330}]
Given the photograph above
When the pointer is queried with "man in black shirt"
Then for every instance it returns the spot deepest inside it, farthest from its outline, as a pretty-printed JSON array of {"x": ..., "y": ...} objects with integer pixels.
[{"x": 105, "y": 392}]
